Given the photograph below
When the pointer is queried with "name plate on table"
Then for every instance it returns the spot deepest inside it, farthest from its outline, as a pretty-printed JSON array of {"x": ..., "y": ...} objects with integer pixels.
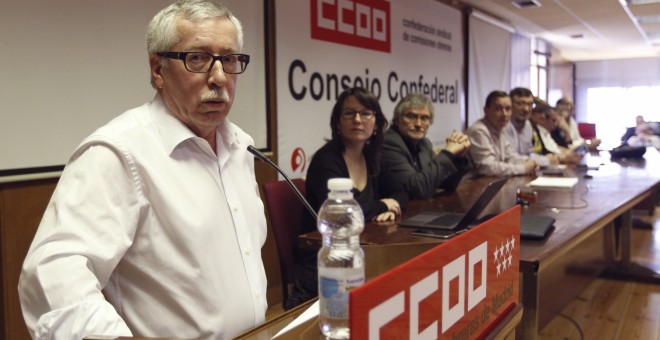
[{"x": 458, "y": 290}]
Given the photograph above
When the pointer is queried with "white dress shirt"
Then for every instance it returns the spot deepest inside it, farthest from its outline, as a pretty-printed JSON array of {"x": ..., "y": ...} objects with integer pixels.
[
  {"x": 576, "y": 139},
  {"x": 491, "y": 152},
  {"x": 149, "y": 233},
  {"x": 548, "y": 141},
  {"x": 522, "y": 142}
]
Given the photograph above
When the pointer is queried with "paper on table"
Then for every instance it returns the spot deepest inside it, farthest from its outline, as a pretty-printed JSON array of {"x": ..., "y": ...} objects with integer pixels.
[
  {"x": 557, "y": 183},
  {"x": 311, "y": 312}
]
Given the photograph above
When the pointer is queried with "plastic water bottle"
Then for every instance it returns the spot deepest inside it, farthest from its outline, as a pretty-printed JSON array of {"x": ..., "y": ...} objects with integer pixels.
[{"x": 341, "y": 259}]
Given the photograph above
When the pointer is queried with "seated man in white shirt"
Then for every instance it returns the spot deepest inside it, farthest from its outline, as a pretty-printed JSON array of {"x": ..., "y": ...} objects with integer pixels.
[
  {"x": 544, "y": 120},
  {"x": 490, "y": 150},
  {"x": 156, "y": 225},
  {"x": 519, "y": 130}
]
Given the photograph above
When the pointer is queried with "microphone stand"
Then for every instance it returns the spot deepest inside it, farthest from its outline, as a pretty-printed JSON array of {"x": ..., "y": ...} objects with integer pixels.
[{"x": 266, "y": 160}]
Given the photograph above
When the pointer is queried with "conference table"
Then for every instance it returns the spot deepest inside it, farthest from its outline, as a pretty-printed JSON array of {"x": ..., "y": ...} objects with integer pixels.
[
  {"x": 309, "y": 330},
  {"x": 591, "y": 234}
]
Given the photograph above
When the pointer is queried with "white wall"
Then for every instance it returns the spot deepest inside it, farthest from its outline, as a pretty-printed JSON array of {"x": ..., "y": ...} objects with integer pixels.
[
  {"x": 613, "y": 73},
  {"x": 621, "y": 107},
  {"x": 70, "y": 66}
]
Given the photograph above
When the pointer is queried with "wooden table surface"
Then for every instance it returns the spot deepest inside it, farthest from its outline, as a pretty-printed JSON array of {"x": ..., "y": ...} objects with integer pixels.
[
  {"x": 591, "y": 231},
  {"x": 591, "y": 203}
]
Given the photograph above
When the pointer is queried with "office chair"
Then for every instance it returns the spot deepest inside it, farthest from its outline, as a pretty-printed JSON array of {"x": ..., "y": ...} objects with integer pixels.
[
  {"x": 285, "y": 210},
  {"x": 587, "y": 130}
]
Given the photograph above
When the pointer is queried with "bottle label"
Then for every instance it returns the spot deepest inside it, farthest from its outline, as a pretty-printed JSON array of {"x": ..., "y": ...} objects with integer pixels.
[{"x": 334, "y": 285}]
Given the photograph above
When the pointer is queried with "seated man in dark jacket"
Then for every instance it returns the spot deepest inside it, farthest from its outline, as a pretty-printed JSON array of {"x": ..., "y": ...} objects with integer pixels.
[
  {"x": 408, "y": 159},
  {"x": 654, "y": 128}
]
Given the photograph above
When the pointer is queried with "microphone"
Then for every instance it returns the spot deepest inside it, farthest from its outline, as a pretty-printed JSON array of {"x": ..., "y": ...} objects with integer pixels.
[{"x": 257, "y": 154}]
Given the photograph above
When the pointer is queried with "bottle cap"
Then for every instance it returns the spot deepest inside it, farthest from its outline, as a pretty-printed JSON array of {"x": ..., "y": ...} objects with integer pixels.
[{"x": 340, "y": 184}]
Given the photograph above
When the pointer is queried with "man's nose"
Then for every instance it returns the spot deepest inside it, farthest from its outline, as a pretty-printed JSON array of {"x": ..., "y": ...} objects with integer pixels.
[{"x": 217, "y": 74}]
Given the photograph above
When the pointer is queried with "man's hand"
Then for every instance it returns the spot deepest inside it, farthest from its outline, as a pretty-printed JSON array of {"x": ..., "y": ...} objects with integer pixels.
[
  {"x": 570, "y": 158},
  {"x": 457, "y": 144},
  {"x": 530, "y": 167},
  {"x": 554, "y": 159}
]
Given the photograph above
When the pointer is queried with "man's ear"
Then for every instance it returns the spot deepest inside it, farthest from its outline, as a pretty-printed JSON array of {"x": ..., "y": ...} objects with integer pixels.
[{"x": 156, "y": 70}]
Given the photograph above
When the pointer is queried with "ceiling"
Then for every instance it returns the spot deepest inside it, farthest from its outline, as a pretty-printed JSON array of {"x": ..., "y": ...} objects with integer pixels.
[{"x": 582, "y": 30}]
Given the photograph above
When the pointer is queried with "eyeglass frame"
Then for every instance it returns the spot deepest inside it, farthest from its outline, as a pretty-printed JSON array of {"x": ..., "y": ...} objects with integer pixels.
[
  {"x": 182, "y": 56},
  {"x": 413, "y": 117},
  {"x": 354, "y": 113}
]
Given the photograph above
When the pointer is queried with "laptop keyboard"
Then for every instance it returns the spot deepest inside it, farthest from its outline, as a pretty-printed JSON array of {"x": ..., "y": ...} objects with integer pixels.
[{"x": 446, "y": 220}]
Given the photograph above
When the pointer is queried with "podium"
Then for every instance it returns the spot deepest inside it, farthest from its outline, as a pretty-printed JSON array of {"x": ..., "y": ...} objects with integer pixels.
[{"x": 466, "y": 287}]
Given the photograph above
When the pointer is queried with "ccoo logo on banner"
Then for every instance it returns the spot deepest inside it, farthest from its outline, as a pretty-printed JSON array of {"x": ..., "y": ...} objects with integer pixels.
[
  {"x": 391, "y": 48},
  {"x": 360, "y": 23}
]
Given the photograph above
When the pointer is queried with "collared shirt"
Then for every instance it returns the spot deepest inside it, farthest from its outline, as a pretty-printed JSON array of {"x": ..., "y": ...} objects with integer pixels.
[
  {"x": 522, "y": 142},
  {"x": 491, "y": 152},
  {"x": 150, "y": 233},
  {"x": 548, "y": 142},
  {"x": 576, "y": 139}
]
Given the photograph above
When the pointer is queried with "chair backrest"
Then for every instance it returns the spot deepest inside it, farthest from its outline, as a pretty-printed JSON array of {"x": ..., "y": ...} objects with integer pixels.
[
  {"x": 587, "y": 130},
  {"x": 285, "y": 210}
]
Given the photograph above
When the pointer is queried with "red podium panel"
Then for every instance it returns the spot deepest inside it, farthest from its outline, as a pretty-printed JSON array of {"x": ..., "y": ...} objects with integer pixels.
[{"x": 460, "y": 289}]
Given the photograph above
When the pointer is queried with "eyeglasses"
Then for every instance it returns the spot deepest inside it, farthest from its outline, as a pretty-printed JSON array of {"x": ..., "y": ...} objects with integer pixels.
[
  {"x": 414, "y": 117},
  {"x": 522, "y": 103},
  {"x": 202, "y": 62},
  {"x": 364, "y": 114}
]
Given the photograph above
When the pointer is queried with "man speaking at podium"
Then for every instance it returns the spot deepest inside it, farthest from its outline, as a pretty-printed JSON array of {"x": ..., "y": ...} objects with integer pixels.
[{"x": 156, "y": 224}]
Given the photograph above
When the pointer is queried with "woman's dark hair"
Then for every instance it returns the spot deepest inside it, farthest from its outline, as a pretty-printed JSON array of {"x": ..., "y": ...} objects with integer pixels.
[{"x": 375, "y": 142}]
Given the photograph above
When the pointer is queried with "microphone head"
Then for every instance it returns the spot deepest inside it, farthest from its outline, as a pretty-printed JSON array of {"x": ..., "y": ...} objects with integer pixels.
[{"x": 257, "y": 153}]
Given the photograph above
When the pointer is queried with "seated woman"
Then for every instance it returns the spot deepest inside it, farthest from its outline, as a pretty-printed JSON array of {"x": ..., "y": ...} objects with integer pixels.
[{"x": 357, "y": 123}]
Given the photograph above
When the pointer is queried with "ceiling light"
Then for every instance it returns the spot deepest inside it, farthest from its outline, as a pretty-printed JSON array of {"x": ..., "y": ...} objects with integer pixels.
[
  {"x": 648, "y": 19},
  {"x": 524, "y": 4},
  {"x": 641, "y": 2}
]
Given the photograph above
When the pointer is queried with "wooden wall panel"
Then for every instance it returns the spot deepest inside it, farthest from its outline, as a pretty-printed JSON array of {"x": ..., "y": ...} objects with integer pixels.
[{"x": 21, "y": 206}]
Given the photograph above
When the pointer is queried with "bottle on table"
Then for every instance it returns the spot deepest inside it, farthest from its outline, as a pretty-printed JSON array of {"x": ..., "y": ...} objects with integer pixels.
[{"x": 341, "y": 259}]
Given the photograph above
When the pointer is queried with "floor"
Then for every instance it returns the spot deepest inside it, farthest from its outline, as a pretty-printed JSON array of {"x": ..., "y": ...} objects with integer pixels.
[{"x": 612, "y": 309}]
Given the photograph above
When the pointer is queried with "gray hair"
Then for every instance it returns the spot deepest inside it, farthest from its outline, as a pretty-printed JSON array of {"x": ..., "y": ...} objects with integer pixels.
[
  {"x": 411, "y": 101},
  {"x": 162, "y": 31}
]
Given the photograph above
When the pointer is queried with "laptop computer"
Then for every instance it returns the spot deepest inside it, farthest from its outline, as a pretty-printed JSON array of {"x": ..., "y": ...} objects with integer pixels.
[
  {"x": 450, "y": 221},
  {"x": 535, "y": 227}
]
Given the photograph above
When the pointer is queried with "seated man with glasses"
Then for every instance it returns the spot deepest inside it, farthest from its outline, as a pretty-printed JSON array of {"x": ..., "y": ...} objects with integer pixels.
[
  {"x": 409, "y": 162},
  {"x": 519, "y": 131},
  {"x": 156, "y": 225}
]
